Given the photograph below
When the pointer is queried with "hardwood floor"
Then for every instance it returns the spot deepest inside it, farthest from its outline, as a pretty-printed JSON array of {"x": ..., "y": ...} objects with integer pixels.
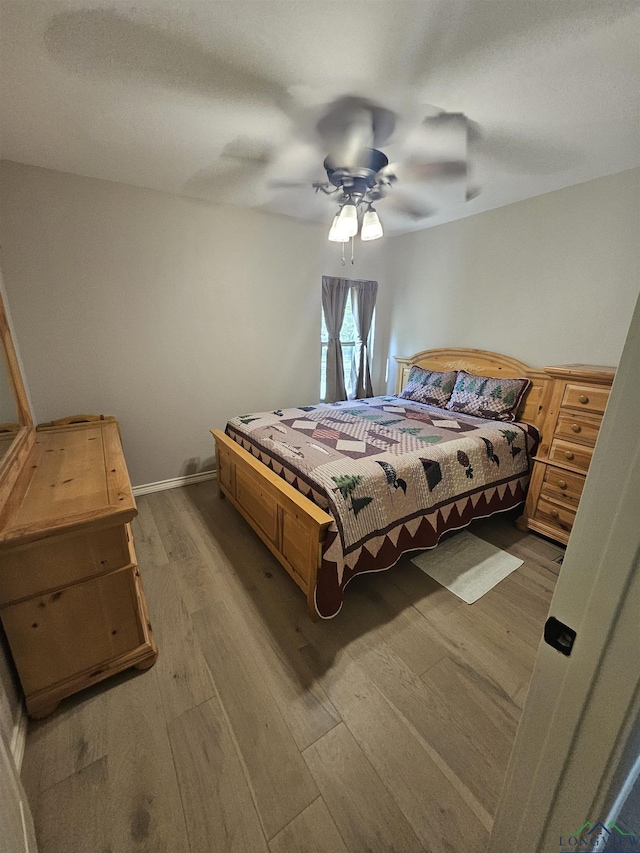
[{"x": 385, "y": 729}]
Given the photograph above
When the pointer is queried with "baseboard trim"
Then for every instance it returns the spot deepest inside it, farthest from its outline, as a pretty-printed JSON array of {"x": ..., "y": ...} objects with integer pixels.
[
  {"x": 174, "y": 483},
  {"x": 19, "y": 737}
]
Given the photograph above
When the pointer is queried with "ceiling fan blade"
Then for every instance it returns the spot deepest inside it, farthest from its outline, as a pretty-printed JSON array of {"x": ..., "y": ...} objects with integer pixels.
[
  {"x": 441, "y": 138},
  {"x": 288, "y": 185},
  {"x": 410, "y": 206},
  {"x": 222, "y": 184},
  {"x": 435, "y": 153},
  {"x": 248, "y": 150},
  {"x": 352, "y": 125},
  {"x": 417, "y": 171}
]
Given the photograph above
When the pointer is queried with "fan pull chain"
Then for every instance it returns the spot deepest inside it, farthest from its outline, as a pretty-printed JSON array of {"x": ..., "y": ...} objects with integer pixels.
[
  {"x": 352, "y": 259},
  {"x": 343, "y": 262}
]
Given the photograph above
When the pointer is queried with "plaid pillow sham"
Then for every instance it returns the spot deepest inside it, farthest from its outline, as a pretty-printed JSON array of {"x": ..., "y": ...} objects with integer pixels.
[
  {"x": 486, "y": 397},
  {"x": 429, "y": 386}
]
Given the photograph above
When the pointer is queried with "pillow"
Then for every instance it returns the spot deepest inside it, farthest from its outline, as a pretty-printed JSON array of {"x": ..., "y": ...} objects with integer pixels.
[
  {"x": 487, "y": 398},
  {"x": 429, "y": 386}
]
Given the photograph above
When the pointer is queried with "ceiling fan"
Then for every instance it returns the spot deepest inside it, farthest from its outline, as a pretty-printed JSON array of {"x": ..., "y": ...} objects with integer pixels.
[
  {"x": 359, "y": 174},
  {"x": 414, "y": 164}
]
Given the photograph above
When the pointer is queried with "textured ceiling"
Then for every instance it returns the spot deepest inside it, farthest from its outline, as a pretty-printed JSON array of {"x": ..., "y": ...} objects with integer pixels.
[{"x": 215, "y": 100}]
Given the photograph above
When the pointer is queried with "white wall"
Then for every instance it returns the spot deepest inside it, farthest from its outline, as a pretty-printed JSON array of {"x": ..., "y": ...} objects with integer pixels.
[
  {"x": 550, "y": 280},
  {"x": 169, "y": 313},
  {"x": 174, "y": 315}
]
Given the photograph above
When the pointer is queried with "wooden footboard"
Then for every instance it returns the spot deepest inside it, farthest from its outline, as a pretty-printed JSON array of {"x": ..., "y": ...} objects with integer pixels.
[{"x": 291, "y": 526}]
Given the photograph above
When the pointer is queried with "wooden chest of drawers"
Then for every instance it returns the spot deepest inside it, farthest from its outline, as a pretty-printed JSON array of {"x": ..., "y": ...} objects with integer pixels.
[
  {"x": 578, "y": 399},
  {"x": 71, "y": 600}
]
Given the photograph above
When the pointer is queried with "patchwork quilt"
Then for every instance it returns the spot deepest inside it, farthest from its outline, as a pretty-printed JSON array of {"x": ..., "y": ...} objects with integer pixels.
[{"x": 395, "y": 475}]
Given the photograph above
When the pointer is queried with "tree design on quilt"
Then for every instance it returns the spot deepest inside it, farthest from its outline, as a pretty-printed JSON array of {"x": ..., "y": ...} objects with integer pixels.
[
  {"x": 511, "y": 435},
  {"x": 346, "y": 485}
]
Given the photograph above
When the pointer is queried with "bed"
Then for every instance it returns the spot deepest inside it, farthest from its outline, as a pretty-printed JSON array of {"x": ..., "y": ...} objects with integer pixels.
[{"x": 339, "y": 489}]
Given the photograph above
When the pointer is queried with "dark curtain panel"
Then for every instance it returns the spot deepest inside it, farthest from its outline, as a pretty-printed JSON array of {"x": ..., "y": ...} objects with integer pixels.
[
  {"x": 363, "y": 301},
  {"x": 334, "y": 301}
]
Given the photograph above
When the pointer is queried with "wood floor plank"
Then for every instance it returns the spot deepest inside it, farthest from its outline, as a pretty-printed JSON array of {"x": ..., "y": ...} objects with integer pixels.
[
  {"x": 219, "y": 811},
  {"x": 176, "y": 541},
  {"x": 364, "y": 811},
  {"x": 183, "y": 676},
  {"x": 426, "y": 594},
  {"x": 469, "y": 635},
  {"x": 253, "y": 579},
  {"x": 455, "y": 750},
  {"x": 64, "y": 743},
  {"x": 199, "y": 582},
  {"x": 142, "y": 799},
  {"x": 313, "y": 831},
  {"x": 281, "y": 783},
  {"x": 474, "y": 711},
  {"x": 149, "y": 548},
  {"x": 302, "y": 702},
  {"x": 523, "y": 620},
  {"x": 397, "y": 623},
  {"x": 73, "y": 814},
  {"x": 414, "y": 779}
]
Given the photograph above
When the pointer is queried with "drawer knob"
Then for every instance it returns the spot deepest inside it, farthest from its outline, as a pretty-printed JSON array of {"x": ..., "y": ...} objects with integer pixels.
[
  {"x": 554, "y": 513},
  {"x": 568, "y": 454},
  {"x": 583, "y": 399},
  {"x": 576, "y": 428},
  {"x": 562, "y": 484}
]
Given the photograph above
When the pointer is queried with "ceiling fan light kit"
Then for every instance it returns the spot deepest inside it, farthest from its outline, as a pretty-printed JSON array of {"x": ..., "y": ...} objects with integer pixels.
[
  {"x": 336, "y": 233},
  {"x": 371, "y": 226},
  {"x": 348, "y": 220},
  {"x": 359, "y": 174}
]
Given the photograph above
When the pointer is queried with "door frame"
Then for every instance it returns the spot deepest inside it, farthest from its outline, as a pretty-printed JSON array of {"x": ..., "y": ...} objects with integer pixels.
[{"x": 581, "y": 709}]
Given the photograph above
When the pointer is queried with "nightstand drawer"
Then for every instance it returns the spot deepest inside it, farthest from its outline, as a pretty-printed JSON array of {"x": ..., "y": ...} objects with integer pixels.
[
  {"x": 563, "y": 486},
  {"x": 554, "y": 515},
  {"x": 575, "y": 426},
  {"x": 574, "y": 455},
  {"x": 587, "y": 397}
]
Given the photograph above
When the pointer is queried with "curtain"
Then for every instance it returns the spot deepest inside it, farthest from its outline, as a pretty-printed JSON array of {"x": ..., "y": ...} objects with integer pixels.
[
  {"x": 363, "y": 301},
  {"x": 334, "y": 301}
]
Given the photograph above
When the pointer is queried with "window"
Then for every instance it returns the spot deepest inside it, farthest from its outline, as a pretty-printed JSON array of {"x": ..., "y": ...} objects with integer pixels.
[{"x": 348, "y": 338}]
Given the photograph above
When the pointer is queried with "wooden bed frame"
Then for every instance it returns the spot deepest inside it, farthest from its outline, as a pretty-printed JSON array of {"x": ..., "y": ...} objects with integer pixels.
[{"x": 291, "y": 525}]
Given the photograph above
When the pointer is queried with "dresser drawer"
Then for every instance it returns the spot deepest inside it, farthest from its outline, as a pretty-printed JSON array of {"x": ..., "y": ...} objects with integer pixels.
[
  {"x": 59, "y": 635},
  {"x": 574, "y": 455},
  {"x": 561, "y": 485},
  {"x": 554, "y": 515},
  {"x": 58, "y": 561},
  {"x": 575, "y": 426},
  {"x": 591, "y": 398}
]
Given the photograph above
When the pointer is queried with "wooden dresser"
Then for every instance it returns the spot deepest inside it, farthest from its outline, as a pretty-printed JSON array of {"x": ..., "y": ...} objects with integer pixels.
[
  {"x": 578, "y": 398},
  {"x": 71, "y": 600}
]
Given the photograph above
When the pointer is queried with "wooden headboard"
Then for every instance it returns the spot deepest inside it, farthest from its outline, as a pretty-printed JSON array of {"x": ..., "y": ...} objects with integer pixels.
[{"x": 484, "y": 363}]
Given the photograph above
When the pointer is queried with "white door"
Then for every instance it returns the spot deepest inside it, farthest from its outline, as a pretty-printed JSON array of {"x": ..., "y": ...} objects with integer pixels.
[{"x": 579, "y": 735}]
